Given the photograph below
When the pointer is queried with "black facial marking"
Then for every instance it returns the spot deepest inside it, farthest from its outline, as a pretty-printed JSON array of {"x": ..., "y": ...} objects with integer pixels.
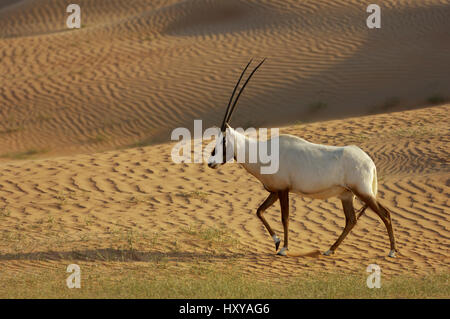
[{"x": 224, "y": 151}]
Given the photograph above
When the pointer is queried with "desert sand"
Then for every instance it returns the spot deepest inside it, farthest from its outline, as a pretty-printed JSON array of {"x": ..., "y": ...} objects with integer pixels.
[
  {"x": 86, "y": 116},
  {"x": 75, "y": 206}
]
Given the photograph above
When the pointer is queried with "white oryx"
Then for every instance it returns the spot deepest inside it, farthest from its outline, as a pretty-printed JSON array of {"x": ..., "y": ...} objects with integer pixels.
[{"x": 308, "y": 169}]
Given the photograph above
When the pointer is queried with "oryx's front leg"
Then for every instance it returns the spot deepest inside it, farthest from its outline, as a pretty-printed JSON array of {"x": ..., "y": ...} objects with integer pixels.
[
  {"x": 267, "y": 203},
  {"x": 284, "y": 204}
]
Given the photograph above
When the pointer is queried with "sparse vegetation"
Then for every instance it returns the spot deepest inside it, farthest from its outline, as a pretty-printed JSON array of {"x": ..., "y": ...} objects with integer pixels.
[
  {"x": 50, "y": 222},
  {"x": 212, "y": 235},
  {"x": 134, "y": 200},
  {"x": 356, "y": 139},
  {"x": 5, "y": 212},
  {"x": 391, "y": 103},
  {"x": 195, "y": 194},
  {"x": 387, "y": 105},
  {"x": 414, "y": 132},
  {"x": 12, "y": 130},
  {"x": 62, "y": 198},
  {"x": 13, "y": 125},
  {"x": 317, "y": 107},
  {"x": 88, "y": 222},
  {"x": 141, "y": 143},
  {"x": 42, "y": 117},
  {"x": 130, "y": 239},
  {"x": 99, "y": 138},
  {"x": 24, "y": 155},
  {"x": 436, "y": 99},
  {"x": 204, "y": 281}
]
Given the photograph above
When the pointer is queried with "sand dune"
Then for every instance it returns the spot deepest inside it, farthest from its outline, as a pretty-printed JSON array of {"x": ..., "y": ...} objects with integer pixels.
[{"x": 136, "y": 70}]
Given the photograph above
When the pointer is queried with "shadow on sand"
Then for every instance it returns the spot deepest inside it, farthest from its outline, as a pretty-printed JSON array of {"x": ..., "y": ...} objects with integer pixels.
[{"x": 122, "y": 255}]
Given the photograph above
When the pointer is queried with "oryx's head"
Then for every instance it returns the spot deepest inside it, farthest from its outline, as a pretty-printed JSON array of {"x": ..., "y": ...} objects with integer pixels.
[{"x": 224, "y": 151}]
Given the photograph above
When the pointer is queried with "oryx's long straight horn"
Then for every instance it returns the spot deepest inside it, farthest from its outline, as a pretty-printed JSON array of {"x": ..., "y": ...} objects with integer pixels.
[
  {"x": 242, "y": 89},
  {"x": 222, "y": 127}
]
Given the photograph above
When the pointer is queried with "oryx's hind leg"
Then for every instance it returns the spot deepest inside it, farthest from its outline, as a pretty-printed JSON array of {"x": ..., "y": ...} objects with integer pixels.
[
  {"x": 284, "y": 204},
  {"x": 350, "y": 220},
  {"x": 385, "y": 216},
  {"x": 260, "y": 213}
]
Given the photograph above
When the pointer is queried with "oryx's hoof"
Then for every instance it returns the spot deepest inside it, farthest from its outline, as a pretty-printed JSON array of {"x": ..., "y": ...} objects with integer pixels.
[
  {"x": 329, "y": 252},
  {"x": 277, "y": 242},
  {"x": 282, "y": 252},
  {"x": 392, "y": 253}
]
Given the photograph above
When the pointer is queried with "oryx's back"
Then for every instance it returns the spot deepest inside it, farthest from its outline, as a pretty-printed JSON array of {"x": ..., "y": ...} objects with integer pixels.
[{"x": 318, "y": 170}]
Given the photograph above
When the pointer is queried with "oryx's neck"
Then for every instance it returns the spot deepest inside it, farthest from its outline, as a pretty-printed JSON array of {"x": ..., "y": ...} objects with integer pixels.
[
  {"x": 246, "y": 152},
  {"x": 241, "y": 143}
]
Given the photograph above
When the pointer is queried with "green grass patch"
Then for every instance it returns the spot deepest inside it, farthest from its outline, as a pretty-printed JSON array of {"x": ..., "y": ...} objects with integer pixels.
[{"x": 203, "y": 281}]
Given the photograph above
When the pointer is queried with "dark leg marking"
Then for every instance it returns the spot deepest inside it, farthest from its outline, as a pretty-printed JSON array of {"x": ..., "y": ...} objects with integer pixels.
[
  {"x": 260, "y": 213},
  {"x": 284, "y": 204}
]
